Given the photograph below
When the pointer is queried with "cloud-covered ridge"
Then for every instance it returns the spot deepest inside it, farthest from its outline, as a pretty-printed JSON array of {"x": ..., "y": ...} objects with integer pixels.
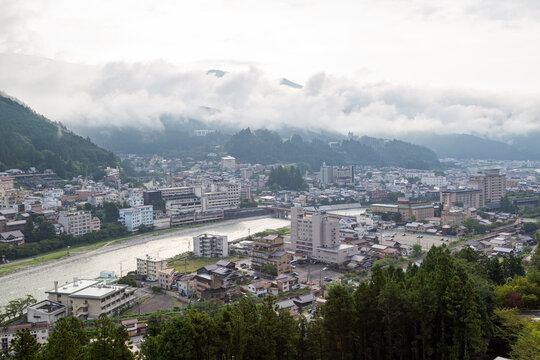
[{"x": 137, "y": 94}]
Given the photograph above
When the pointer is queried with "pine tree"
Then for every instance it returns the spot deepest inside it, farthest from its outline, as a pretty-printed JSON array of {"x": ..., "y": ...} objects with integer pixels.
[
  {"x": 110, "y": 341},
  {"x": 25, "y": 346},
  {"x": 67, "y": 341}
]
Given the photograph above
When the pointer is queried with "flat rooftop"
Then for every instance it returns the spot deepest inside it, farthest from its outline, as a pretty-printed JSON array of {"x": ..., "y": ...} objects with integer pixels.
[
  {"x": 98, "y": 292},
  {"x": 71, "y": 288}
]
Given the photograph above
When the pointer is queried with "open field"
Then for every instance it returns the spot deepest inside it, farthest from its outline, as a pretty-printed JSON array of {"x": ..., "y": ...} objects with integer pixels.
[{"x": 155, "y": 303}]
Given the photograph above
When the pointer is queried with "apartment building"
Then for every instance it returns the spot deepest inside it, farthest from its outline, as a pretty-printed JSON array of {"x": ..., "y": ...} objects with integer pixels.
[
  {"x": 135, "y": 199},
  {"x": 438, "y": 181},
  {"x": 228, "y": 163},
  {"x": 492, "y": 184},
  {"x": 180, "y": 198},
  {"x": 166, "y": 278},
  {"x": 39, "y": 330},
  {"x": 222, "y": 196},
  {"x": 132, "y": 218},
  {"x": 150, "y": 266},
  {"x": 418, "y": 211},
  {"x": 207, "y": 245},
  {"x": 466, "y": 198},
  {"x": 76, "y": 222},
  {"x": 87, "y": 299},
  {"x": 342, "y": 175},
  {"x": 316, "y": 234},
  {"x": 270, "y": 250},
  {"x": 6, "y": 183}
]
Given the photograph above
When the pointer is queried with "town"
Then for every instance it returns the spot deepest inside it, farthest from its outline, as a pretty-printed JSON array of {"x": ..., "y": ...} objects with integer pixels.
[{"x": 398, "y": 215}]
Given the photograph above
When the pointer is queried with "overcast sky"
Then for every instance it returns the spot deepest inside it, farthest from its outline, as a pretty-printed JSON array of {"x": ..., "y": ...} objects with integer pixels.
[{"x": 369, "y": 66}]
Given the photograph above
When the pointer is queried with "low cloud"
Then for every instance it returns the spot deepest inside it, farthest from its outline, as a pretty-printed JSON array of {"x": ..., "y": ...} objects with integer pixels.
[{"x": 137, "y": 94}]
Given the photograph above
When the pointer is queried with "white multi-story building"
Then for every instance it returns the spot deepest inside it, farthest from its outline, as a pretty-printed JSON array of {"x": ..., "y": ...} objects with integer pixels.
[
  {"x": 343, "y": 175},
  {"x": 134, "y": 217},
  {"x": 207, "y": 245},
  {"x": 149, "y": 267},
  {"x": 439, "y": 181},
  {"x": 228, "y": 163},
  {"x": 76, "y": 222},
  {"x": 222, "y": 196},
  {"x": 135, "y": 199},
  {"x": 87, "y": 299},
  {"x": 316, "y": 234}
]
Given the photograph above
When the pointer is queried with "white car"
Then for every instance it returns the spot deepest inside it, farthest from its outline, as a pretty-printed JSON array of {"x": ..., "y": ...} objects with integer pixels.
[{"x": 325, "y": 268}]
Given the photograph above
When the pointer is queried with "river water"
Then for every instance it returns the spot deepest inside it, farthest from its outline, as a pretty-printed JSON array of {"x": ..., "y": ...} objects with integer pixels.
[
  {"x": 122, "y": 257},
  {"x": 37, "y": 280}
]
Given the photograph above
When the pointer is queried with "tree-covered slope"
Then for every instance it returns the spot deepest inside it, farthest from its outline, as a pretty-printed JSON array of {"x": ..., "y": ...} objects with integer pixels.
[
  {"x": 463, "y": 146},
  {"x": 266, "y": 147},
  {"x": 31, "y": 140}
]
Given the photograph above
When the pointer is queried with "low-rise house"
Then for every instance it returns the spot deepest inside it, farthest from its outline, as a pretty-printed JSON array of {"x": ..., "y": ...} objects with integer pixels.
[
  {"x": 214, "y": 281},
  {"x": 12, "y": 237},
  {"x": 187, "y": 285},
  {"x": 40, "y": 331},
  {"x": 286, "y": 282},
  {"x": 305, "y": 300},
  {"x": 503, "y": 250},
  {"x": 134, "y": 328},
  {"x": 259, "y": 288},
  {"x": 286, "y": 305}
]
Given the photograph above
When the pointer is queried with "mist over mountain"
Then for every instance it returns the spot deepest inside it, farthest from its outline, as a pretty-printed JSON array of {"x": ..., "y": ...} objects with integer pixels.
[
  {"x": 464, "y": 146},
  {"x": 138, "y": 94}
]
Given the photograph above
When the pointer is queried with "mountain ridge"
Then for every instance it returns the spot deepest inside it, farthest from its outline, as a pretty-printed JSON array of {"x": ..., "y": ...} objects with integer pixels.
[{"x": 32, "y": 140}]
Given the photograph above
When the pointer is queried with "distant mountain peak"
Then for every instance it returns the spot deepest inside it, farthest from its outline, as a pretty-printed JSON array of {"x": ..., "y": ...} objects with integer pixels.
[
  {"x": 288, "y": 82},
  {"x": 216, "y": 72}
]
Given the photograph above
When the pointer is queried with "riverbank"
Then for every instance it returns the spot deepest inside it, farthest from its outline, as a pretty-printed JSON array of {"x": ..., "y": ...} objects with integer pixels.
[{"x": 41, "y": 262}]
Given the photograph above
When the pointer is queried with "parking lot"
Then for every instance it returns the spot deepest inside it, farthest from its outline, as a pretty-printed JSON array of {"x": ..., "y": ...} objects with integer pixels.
[
  {"x": 413, "y": 238},
  {"x": 314, "y": 273}
]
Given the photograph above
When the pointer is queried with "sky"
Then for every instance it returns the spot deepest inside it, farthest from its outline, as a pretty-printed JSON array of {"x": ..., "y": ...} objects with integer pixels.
[{"x": 382, "y": 67}]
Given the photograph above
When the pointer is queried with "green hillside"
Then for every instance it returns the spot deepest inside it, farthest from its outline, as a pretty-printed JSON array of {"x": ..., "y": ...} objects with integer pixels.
[
  {"x": 31, "y": 140},
  {"x": 267, "y": 147}
]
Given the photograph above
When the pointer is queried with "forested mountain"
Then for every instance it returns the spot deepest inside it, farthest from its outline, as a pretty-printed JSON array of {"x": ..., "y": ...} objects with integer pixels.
[
  {"x": 31, "y": 140},
  {"x": 463, "y": 146},
  {"x": 264, "y": 146}
]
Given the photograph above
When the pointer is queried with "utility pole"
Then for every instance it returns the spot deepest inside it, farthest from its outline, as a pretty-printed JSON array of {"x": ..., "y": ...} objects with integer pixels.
[
  {"x": 308, "y": 270},
  {"x": 120, "y": 269}
]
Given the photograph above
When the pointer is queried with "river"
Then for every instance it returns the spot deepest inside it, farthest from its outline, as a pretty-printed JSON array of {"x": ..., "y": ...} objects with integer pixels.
[{"x": 36, "y": 280}]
